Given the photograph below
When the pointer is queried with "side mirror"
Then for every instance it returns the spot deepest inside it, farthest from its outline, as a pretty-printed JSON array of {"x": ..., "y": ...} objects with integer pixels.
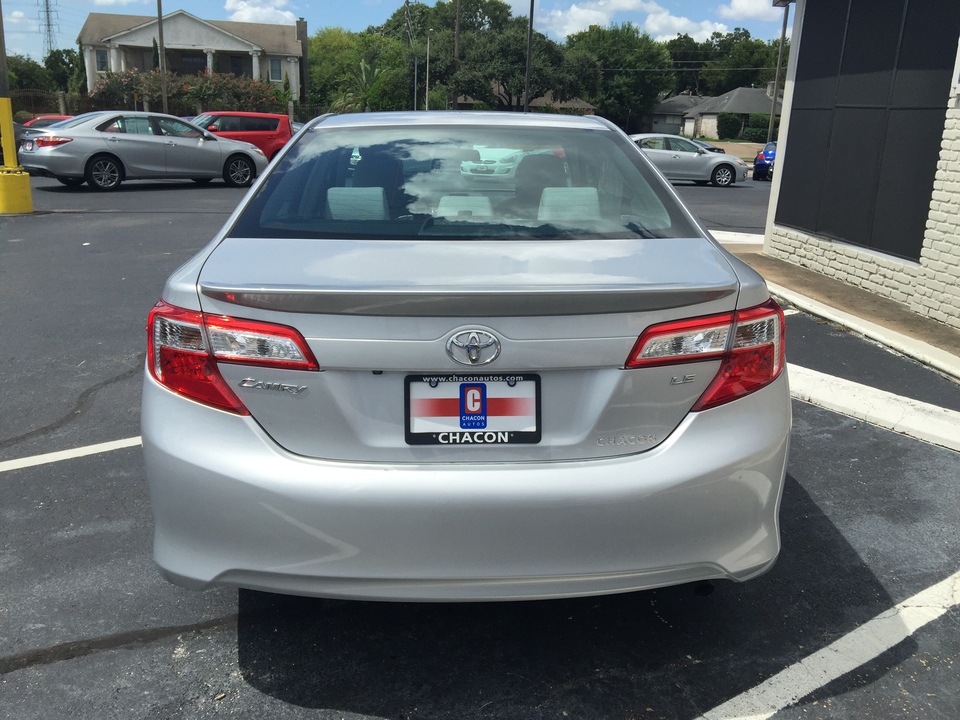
[{"x": 211, "y": 128}]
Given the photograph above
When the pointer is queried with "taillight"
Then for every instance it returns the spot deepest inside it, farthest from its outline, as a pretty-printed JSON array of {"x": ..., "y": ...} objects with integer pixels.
[
  {"x": 50, "y": 140},
  {"x": 749, "y": 343},
  {"x": 184, "y": 346}
]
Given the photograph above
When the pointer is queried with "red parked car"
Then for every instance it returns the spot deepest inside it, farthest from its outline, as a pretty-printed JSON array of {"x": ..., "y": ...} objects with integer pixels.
[{"x": 268, "y": 131}]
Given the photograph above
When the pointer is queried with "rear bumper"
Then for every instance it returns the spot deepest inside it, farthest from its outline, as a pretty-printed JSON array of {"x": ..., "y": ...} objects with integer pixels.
[{"x": 231, "y": 508}]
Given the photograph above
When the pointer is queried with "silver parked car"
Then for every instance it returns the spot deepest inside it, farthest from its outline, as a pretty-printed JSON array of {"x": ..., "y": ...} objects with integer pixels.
[
  {"x": 386, "y": 378},
  {"x": 107, "y": 147},
  {"x": 679, "y": 158}
]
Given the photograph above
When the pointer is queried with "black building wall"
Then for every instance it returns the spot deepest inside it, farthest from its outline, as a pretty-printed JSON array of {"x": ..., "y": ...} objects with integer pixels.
[{"x": 869, "y": 105}]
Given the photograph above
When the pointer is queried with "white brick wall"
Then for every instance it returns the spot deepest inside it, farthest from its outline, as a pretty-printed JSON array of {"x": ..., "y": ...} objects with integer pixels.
[{"x": 930, "y": 287}]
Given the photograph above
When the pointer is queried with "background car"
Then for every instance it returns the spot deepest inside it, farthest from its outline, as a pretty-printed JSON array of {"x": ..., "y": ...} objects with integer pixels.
[
  {"x": 18, "y": 133},
  {"x": 106, "y": 148},
  {"x": 680, "y": 159},
  {"x": 707, "y": 146},
  {"x": 763, "y": 162},
  {"x": 41, "y": 121},
  {"x": 412, "y": 383},
  {"x": 268, "y": 131}
]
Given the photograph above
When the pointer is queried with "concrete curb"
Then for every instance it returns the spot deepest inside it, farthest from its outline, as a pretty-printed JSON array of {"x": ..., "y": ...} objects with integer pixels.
[
  {"x": 913, "y": 418},
  {"x": 920, "y": 351}
]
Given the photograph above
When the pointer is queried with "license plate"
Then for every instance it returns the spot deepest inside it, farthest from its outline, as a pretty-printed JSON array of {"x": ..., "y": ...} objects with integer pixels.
[{"x": 472, "y": 409}]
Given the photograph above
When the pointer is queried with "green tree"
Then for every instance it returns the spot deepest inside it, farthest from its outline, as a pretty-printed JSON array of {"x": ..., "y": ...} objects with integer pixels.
[
  {"x": 334, "y": 53},
  {"x": 637, "y": 71},
  {"x": 688, "y": 57},
  {"x": 393, "y": 86},
  {"x": 738, "y": 61},
  {"x": 356, "y": 91},
  {"x": 64, "y": 68},
  {"x": 26, "y": 74},
  {"x": 501, "y": 57}
]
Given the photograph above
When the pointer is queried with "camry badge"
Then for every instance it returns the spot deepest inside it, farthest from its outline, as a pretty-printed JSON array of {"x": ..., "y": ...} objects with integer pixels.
[{"x": 473, "y": 347}]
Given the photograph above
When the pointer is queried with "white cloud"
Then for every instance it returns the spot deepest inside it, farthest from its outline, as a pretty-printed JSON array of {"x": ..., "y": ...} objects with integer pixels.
[
  {"x": 751, "y": 10},
  {"x": 15, "y": 18},
  {"x": 259, "y": 11},
  {"x": 647, "y": 15},
  {"x": 115, "y": 2},
  {"x": 664, "y": 26}
]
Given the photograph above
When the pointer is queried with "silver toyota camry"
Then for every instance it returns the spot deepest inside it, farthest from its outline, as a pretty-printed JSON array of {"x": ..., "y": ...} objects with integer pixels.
[
  {"x": 386, "y": 378},
  {"x": 104, "y": 148}
]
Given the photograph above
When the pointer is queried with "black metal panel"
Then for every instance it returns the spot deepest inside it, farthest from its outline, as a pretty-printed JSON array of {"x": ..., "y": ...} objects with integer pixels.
[
  {"x": 801, "y": 182},
  {"x": 862, "y": 156},
  {"x": 910, "y": 156},
  {"x": 870, "y": 52},
  {"x": 850, "y": 182},
  {"x": 820, "y": 51},
  {"x": 929, "y": 47}
]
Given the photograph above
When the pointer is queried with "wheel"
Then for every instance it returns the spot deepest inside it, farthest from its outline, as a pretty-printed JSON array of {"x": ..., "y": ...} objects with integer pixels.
[
  {"x": 759, "y": 176},
  {"x": 238, "y": 172},
  {"x": 202, "y": 181},
  {"x": 722, "y": 176},
  {"x": 104, "y": 172},
  {"x": 70, "y": 182}
]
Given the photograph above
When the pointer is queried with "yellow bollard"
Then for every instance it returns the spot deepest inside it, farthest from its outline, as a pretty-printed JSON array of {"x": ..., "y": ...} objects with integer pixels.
[{"x": 15, "y": 197}]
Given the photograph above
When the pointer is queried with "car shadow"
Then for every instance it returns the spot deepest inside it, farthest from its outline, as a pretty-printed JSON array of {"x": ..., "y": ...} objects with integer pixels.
[{"x": 668, "y": 653}]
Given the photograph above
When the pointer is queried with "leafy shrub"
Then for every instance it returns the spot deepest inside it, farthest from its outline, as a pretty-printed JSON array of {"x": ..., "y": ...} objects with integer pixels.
[{"x": 728, "y": 126}]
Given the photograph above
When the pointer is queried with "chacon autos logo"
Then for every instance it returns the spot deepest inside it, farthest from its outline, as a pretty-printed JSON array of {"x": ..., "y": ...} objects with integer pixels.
[{"x": 473, "y": 347}]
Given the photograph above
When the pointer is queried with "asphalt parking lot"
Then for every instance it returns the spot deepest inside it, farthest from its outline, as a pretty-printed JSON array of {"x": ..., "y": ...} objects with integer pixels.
[{"x": 858, "y": 619}]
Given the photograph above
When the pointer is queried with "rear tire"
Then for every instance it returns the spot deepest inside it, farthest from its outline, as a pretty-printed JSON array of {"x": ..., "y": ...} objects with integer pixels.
[
  {"x": 104, "y": 173},
  {"x": 723, "y": 176},
  {"x": 238, "y": 171}
]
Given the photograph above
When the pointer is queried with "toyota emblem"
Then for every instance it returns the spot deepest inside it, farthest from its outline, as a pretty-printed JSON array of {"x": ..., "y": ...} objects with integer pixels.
[{"x": 473, "y": 347}]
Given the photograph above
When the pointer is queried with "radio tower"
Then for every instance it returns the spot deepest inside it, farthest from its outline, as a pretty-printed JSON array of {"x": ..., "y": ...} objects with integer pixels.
[{"x": 48, "y": 21}]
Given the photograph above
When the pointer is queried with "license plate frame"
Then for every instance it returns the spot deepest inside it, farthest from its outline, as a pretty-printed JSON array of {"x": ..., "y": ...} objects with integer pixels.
[{"x": 492, "y": 409}]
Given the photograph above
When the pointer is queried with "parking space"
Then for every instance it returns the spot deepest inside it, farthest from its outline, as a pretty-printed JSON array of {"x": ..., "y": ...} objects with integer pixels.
[{"x": 854, "y": 621}]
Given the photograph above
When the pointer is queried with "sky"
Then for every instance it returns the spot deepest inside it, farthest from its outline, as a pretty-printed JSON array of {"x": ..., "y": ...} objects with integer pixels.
[{"x": 663, "y": 20}]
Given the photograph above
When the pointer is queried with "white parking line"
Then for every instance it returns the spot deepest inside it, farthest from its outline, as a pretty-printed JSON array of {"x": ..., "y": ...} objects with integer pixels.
[
  {"x": 848, "y": 653},
  {"x": 53, "y": 457}
]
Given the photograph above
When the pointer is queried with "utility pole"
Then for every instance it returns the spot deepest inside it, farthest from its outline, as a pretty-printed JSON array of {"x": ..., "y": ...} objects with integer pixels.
[
  {"x": 776, "y": 77},
  {"x": 163, "y": 59},
  {"x": 456, "y": 39},
  {"x": 15, "y": 197},
  {"x": 426, "y": 92},
  {"x": 526, "y": 80}
]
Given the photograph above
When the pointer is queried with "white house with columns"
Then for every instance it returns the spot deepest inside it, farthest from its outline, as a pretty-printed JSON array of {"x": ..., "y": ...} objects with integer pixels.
[{"x": 261, "y": 51}]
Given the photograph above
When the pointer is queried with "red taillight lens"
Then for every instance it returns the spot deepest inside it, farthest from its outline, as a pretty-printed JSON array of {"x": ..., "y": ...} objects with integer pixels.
[
  {"x": 749, "y": 343},
  {"x": 184, "y": 346},
  {"x": 50, "y": 140}
]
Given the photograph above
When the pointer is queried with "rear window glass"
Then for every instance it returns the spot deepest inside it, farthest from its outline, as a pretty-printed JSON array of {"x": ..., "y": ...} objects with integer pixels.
[{"x": 452, "y": 181}]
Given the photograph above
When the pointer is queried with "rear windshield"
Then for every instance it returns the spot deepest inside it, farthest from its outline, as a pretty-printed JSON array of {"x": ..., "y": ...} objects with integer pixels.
[{"x": 453, "y": 181}]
